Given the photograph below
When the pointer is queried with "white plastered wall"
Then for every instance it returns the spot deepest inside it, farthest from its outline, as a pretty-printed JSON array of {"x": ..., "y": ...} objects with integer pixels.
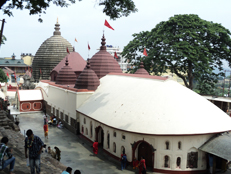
[{"x": 188, "y": 144}]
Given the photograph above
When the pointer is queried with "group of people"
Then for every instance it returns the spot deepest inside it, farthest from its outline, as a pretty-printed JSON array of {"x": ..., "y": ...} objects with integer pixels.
[
  {"x": 55, "y": 154},
  {"x": 69, "y": 171},
  {"x": 136, "y": 164}
]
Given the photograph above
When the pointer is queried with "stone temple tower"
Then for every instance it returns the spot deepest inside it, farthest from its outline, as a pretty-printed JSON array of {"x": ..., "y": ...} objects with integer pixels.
[{"x": 49, "y": 54}]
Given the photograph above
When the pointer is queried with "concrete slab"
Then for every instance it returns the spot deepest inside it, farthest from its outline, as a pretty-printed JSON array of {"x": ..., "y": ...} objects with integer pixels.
[{"x": 75, "y": 152}]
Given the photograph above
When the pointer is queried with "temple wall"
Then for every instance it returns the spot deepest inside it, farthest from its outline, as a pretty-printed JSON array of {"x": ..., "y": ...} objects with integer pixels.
[{"x": 188, "y": 144}]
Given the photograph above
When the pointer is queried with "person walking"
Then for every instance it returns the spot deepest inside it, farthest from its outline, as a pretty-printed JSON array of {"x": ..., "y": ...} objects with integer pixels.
[
  {"x": 123, "y": 160},
  {"x": 142, "y": 166},
  {"x": 5, "y": 151},
  {"x": 58, "y": 153},
  {"x": 45, "y": 127},
  {"x": 35, "y": 146},
  {"x": 95, "y": 147}
]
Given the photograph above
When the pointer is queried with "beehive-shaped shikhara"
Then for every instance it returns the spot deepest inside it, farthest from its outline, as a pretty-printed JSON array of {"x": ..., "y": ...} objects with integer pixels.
[
  {"x": 141, "y": 70},
  {"x": 87, "y": 79},
  {"x": 49, "y": 54},
  {"x": 103, "y": 62}
]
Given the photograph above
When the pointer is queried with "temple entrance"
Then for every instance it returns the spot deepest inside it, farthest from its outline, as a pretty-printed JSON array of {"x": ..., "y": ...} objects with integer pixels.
[
  {"x": 145, "y": 151},
  {"x": 99, "y": 135}
]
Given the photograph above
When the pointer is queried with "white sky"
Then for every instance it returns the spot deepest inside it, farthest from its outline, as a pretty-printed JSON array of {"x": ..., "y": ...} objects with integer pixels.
[{"x": 85, "y": 22}]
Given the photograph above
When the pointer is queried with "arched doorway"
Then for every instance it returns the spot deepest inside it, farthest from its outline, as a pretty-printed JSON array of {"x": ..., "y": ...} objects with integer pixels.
[
  {"x": 145, "y": 150},
  {"x": 99, "y": 133}
]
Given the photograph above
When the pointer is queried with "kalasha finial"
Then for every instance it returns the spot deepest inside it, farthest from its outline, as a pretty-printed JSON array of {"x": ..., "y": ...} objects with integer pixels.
[
  {"x": 57, "y": 32},
  {"x": 73, "y": 49},
  {"x": 141, "y": 65},
  {"x": 66, "y": 62},
  {"x": 103, "y": 47},
  {"x": 88, "y": 63}
]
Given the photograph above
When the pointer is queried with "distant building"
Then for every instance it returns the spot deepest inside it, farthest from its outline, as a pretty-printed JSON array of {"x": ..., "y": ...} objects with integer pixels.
[
  {"x": 16, "y": 65},
  {"x": 27, "y": 58}
]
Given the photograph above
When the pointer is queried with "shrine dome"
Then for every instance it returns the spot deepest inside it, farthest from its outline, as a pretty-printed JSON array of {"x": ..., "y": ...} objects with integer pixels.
[
  {"x": 103, "y": 62},
  {"x": 141, "y": 70},
  {"x": 66, "y": 75},
  {"x": 76, "y": 62},
  {"x": 87, "y": 79},
  {"x": 49, "y": 54}
]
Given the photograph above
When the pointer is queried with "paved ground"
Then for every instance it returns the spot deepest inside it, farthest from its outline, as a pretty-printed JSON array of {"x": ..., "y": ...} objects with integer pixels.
[{"x": 75, "y": 152}]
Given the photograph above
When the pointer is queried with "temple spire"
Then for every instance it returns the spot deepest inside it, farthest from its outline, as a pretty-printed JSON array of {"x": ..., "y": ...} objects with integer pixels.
[
  {"x": 57, "y": 32},
  {"x": 103, "y": 47},
  {"x": 66, "y": 62}
]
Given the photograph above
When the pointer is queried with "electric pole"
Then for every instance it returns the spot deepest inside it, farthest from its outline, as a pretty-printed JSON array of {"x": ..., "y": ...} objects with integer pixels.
[{"x": 3, "y": 21}]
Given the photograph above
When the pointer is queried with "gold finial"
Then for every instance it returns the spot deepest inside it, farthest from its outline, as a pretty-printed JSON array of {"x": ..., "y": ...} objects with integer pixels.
[{"x": 57, "y": 20}]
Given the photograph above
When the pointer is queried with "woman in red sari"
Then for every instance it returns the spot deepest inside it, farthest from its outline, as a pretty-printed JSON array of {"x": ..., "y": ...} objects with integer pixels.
[
  {"x": 45, "y": 127},
  {"x": 142, "y": 166},
  {"x": 95, "y": 147}
]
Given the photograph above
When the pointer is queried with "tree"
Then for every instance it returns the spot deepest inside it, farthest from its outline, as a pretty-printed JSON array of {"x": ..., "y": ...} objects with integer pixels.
[
  {"x": 3, "y": 76},
  {"x": 112, "y": 8},
  {"x": 187, "y": 45},
  {"x": 3, "y": 39}
]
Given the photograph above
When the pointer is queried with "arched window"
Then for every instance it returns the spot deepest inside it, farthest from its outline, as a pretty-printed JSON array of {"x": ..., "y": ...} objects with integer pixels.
[
  {"x": 82, "y": 130},
  {"x": 179, "y": 145},
  {"x": 108, "y": 140},
  {"x": 86, "y": 131},
  {"x": 114, "y": 147},
  {"x": 91, "y": 129},
  {"x": 122, "y": 150},
  {"x": 167, "y": 145},
  {"x": 178, "y": 161},
  {"x": 166, "y": 161}
]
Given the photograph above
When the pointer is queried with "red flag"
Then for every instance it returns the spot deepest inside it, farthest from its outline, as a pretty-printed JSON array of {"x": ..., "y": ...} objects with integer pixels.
[
  {"x": 145, "y": 52},
  {"x": 7, "y": 74},
  {"x": 68, "y": 50},
  {"x": 115, "y": 55},
  {"x": 108, "y": 25},
  {"x": 40, "y": 71},
  {"x": 89, "y": 47}
]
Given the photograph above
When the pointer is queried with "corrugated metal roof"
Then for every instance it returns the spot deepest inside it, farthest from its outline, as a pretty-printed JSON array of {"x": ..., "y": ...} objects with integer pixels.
[
  {"x": 12, "y": 62},
  {"x": 219, "y": 146}
]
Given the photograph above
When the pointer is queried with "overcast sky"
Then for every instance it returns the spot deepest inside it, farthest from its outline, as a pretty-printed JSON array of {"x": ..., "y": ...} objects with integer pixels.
[{"x": 85, "y": 22}]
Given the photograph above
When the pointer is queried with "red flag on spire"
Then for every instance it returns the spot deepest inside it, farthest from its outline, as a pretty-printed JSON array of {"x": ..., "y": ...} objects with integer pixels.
[
  {"x": 68, "y": 50},
  {"x": 108, "y": 25},
  {"x": 115, "y": 55},
  {"x": 145, "y": 52},
  {"x": 89, "y": 47},
  {"x": 40, "y": 71}
]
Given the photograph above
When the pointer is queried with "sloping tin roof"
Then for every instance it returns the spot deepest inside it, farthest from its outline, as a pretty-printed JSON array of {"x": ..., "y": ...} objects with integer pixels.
[
  {"x": 219, "y": 146},
  {"x": 76, "y": 62},
  {"x": 11, "y": 62},
  {"x": 164, "y": 107},
  {"x": 30, "y": 95}
]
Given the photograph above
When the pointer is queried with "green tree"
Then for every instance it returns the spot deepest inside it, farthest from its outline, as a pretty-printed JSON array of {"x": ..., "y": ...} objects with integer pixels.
[
  {"x": 112, "y": 8},
  {"x": 3, "y": 76},
  {"x": 186, "y": 45}
]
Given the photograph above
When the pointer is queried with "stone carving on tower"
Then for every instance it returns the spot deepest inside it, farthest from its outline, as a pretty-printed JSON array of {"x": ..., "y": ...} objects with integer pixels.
[{"x": 28, "y": 81}]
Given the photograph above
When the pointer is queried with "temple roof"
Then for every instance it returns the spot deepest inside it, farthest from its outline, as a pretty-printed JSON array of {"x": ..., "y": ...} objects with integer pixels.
[
  {"x": 66, "y": 75},
  {"x": 76, "y": 62},
  {"x": 49, "y": 54},
  {"x": 87, "y": 79},
  {"x": 103, "y": 62},
  {"x": 141, "y": 70}
]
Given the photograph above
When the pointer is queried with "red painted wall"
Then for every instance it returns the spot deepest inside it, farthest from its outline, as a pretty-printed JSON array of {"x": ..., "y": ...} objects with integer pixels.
[{"x": 26, "y": 106}]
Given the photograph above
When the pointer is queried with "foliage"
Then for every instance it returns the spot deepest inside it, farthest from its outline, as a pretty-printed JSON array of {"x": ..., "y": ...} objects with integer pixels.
[
  {"x": 112, "y": 8},
  {"x": 3, "y": 76},
  {"x": 186, "y": 45},
  {"x": 3, "y": 39}
]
